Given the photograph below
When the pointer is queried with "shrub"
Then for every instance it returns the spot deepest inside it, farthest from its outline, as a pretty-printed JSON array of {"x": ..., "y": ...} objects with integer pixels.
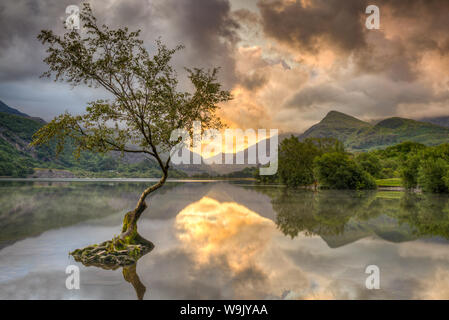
[
  {"x": 337, "y": 171},
  {"x": 433, "y": 175},
  {"x": 370, "y": 163}
]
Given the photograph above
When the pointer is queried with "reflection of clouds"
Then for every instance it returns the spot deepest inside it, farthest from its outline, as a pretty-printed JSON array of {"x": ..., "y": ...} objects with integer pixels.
[
  {"x": 428, "y": 249},
  {"x": 229, "y": 239},
  {"x": 227, "y": 230},
  {"x": 219, "y": 241},
  {"x": 435, "y": 287}
]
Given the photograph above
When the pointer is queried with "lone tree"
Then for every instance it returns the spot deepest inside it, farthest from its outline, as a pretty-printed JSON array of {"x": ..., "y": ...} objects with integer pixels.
[{"x": 145, "y": 108}]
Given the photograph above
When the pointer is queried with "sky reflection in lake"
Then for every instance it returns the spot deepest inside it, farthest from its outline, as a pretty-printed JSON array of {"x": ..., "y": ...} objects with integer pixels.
[{"x": 220, "y": 240}]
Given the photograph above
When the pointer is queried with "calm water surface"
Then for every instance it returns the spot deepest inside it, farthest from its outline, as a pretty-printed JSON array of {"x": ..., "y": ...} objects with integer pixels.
[{"x": 219, "y": 240}]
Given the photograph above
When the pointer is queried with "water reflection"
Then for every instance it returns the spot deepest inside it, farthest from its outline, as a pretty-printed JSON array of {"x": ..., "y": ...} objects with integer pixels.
[
  {"x": 226, "y": 241},
  {"x": 129, "y": 273},
  {"x": 30, "y": 208},
  {"x": 223, "y": 231},
  {"x": 341, "y": 217}
]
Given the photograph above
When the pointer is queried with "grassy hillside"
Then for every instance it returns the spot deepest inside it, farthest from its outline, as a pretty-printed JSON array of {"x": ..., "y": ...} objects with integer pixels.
[
  {"x": 17, "y": 159},
  {"x": 7, "y": 109},
  {"x": 361, "y": 136},
  {"x": 337, "y": 125}
]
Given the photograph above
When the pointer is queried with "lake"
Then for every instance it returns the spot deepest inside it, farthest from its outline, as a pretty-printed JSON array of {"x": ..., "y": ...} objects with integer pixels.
[{"x": 223, "y": 240}]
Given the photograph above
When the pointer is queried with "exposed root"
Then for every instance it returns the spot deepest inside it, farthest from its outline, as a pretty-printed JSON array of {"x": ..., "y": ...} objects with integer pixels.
[{"x": 112, "y": 254}]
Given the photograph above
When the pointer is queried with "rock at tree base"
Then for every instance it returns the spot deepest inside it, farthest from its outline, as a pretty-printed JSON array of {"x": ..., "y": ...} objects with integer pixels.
[{"x": 111, "y": 254}]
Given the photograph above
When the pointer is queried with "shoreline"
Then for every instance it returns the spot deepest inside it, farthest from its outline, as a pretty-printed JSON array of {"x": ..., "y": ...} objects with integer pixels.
[{"x": 121, "y": 179}]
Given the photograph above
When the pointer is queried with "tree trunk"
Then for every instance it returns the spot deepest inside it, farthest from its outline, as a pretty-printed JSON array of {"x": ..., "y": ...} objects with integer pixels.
[{"x": 129, "y": 230}]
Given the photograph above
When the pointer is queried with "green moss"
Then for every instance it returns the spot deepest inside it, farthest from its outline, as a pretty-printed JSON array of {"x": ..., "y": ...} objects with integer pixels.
[{"x": 116, "y": 252}]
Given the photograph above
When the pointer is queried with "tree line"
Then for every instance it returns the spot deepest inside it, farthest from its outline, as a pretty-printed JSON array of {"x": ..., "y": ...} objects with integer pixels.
[{"x": 324, "y": 163}]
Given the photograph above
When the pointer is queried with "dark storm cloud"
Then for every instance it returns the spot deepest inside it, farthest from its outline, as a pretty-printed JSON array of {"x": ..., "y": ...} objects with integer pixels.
[
  {"x": 340, "y": 27},
  {"x": 246, "y": 16},
  {"x": 20, "y": 22},
  {"x": 205, "y": 27},
  {"x": 364, "y": 96},
  {"x": 208, "y": 31},
  {"x": 253, "y": 81},
  {"x": 337, "y": 22},
  {"x": 388, "y": 65}
]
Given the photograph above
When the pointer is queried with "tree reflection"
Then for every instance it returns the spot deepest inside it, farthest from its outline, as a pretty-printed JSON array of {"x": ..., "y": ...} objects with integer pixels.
[
  {"x": 428, "y": 213},
  {"x": 344, "y": 216},
  {"x": 129, "y": 273},
  {"x": 131, "y": 276},
  {"x": 318, "y": 213}
]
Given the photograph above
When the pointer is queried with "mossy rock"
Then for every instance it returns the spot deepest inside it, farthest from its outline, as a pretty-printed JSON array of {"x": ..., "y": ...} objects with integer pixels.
[{"x": 112, "y": 254}]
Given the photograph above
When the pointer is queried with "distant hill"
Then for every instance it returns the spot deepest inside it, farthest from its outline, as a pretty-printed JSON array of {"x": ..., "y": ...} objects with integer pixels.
[
  {"x": 336, "y": 125},
  {"x": 358, "y": 135},
  {"x": 18, "y": 159},
  {"x": 7, "y": 109},
  {"x": 440, "y": 121}
]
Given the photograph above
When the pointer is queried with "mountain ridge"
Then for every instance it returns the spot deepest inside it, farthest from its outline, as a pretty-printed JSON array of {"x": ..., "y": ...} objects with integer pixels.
[
  {"x": 16, "y": 129},
  {"x": 358, "y": 135},
  {"x": 7, "y": 109}
]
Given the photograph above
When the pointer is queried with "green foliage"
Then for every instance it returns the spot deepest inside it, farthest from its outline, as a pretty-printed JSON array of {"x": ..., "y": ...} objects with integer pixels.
[
  {"x": 393, "y": 160},
  {"x": 147, "y": 106},
  {"x": 342, "y": 217},
  {"x": 337, "y": 171},
  {"x": 326, "y": 145},
  {"x": 268, "y": 179},
  {"x": 409, "y": 171},
  {"x": 427, "y": 168},
  {"x": 432, "y": 175},
  {"x": 296, "y": 162},
  {"x": 296, "y": 159},
  {"x": 20, "y": 126},
  {"x": 362, "y": 136},
  {"x": 402, "y": 149},
  {"x": 14, "y": 163},
  {"x": 370, "y": 163}
]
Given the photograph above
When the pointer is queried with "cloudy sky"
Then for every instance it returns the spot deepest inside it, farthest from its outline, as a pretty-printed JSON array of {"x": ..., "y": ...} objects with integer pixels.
[{"x": 287, "y": 62}]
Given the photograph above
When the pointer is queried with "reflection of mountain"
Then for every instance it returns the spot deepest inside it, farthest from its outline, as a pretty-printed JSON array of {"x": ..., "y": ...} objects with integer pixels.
[
  {"x": 341, "y": 217},
  {"x": 31, "y": 208},
  {"x": 382, "y": 226},
  {"x": 338, "y": 217}
]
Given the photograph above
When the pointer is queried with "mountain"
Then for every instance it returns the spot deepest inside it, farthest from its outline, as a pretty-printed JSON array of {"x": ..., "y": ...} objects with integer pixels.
[
  {"x": 18, "y": 159},
  {"x": 440, "y": 121},
  {"x": 336, "y": 125},
  {"x": 7, "y": 109},
  {"x": 358, "y": 135},
  {"x": 242, "y": 154}
]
